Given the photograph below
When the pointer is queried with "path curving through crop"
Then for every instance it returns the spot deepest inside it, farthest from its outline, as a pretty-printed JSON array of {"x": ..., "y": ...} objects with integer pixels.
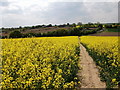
[{"x": 89, "y": 72}]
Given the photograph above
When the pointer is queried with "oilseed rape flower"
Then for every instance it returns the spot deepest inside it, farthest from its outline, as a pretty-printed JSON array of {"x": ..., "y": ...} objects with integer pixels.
[
  {"x": 105, "y": 52},
  {"x": 46, "y": 62},
  {"x": 113, "y": 80}
]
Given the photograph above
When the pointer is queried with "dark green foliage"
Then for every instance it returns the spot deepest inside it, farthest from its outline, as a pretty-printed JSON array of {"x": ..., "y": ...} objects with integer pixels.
[
  {"x": 50, "y": 25},
  {"x": 2, "y": 37},
  {"x": 73, "y": 31},
  {"x": 113, "y": 29},
  {"x": 15, "y": 34}
]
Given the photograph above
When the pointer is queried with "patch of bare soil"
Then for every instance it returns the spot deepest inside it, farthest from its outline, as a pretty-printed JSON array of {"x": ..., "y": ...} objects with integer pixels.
[
  {"x": 106, "y": 34},
  {"x": 89, "y": 72}
]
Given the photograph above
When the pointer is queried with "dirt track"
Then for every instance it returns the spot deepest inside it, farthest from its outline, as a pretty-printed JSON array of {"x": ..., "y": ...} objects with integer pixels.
[{"x": 89, "y": 71}]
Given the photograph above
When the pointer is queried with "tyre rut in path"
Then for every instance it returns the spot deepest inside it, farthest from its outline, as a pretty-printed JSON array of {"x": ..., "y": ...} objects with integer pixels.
[{"x": 89, "y": 71}]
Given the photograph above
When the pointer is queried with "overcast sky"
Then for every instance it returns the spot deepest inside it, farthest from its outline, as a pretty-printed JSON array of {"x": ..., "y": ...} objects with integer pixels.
[{"x": 36, "y": 12}]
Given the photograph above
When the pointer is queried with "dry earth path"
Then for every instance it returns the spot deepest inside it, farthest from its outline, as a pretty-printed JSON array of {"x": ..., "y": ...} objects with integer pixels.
[{"x": 89, "y": 72}]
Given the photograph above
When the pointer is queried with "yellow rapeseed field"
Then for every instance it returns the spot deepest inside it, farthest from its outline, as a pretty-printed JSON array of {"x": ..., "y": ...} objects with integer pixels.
[
  {"x": 105, "y": 51},
  {"x": 47, "y": 62},
  {"x": 52, "y": 62}
]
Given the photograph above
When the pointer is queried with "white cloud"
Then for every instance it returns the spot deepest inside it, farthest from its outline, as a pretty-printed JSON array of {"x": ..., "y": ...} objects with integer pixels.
[
  {"x": 27, "y": 3},
  {"x": 84, "y": 0},
  {"x": 100, "y": 0},
  {"x": 32, "y": 12},
  {"x": 103, "y": 12}
]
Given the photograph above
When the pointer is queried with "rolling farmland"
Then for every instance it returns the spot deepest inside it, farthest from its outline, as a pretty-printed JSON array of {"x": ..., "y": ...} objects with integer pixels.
[{"x": 53, "y": 62}]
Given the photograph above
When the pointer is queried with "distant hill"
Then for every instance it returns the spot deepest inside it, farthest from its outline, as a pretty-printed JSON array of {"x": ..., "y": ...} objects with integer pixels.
[{"x": 108, "y": 32}]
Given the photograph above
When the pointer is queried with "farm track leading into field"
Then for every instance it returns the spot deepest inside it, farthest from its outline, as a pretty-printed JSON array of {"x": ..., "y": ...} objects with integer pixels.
[{"x": 89, "y": 71}]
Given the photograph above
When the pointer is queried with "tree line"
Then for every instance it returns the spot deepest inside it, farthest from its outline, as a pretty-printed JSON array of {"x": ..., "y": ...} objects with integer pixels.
[{"x": 75, "y": 31}]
